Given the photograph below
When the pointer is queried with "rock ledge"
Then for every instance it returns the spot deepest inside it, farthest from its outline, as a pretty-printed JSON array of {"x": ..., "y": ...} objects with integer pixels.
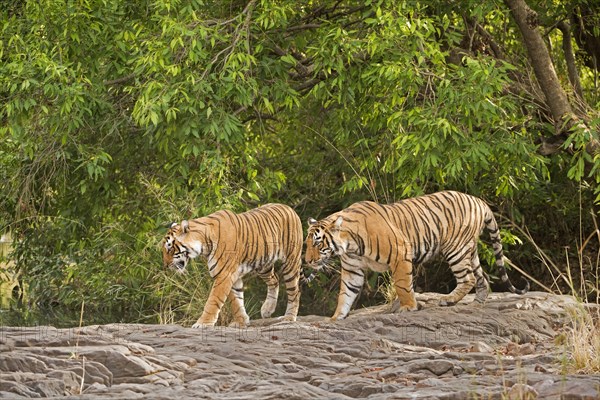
[{"x": 502, "y": 350}]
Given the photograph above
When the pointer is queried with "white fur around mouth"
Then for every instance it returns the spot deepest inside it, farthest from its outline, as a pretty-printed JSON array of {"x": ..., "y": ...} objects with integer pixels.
[{"x": 180, "y": 270}]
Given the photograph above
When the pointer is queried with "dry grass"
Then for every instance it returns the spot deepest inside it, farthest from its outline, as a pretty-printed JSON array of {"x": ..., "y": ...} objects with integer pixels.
[
  {"x": 582, "y": 342},
  {"x": 183, "y": 295}
]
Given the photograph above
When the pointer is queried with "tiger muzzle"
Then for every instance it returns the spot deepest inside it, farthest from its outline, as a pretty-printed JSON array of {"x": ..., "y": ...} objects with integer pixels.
[
  {"x": 316, "y": 265},
  {"x": 179, "y": 267}
]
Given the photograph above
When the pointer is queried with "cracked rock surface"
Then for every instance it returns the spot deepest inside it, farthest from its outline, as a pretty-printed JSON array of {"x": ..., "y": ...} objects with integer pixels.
[{"x": 504, "y": 349}]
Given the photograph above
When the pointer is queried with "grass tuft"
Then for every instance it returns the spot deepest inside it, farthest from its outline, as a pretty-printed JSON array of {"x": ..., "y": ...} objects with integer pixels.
[
  {"x": 582, "y": 342},
  {"x": 182, "y": 296}
]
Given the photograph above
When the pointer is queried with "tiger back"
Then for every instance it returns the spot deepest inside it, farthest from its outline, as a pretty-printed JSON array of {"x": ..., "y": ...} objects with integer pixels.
[
  {"x": 234, "y": 245},
  {"x": 397, "y": 236}
]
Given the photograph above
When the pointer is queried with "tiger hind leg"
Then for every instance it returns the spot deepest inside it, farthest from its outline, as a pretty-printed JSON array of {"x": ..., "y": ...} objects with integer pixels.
[
  {"x": 291, "y": 276},
  {"x": 465, "y": 279},
  {"x": 270, "y": 303},
  {"x": 482, "y": 287}
]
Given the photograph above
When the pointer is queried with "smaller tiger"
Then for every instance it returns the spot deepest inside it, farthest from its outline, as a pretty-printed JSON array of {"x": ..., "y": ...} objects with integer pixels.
[
  {"x": 234, "y": 245},
  {"x": 397, "y": 236}
]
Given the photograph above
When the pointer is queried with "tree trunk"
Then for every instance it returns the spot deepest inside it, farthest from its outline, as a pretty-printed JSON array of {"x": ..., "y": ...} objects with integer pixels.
[
  {"x": 564, "y": 118},
  {"x": 527, "y": 21}
]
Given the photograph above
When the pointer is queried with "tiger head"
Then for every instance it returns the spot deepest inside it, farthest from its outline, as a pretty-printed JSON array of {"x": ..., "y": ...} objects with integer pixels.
[
  {"x": 178, "y": 247},
  {"x": 324, "y": 239}
]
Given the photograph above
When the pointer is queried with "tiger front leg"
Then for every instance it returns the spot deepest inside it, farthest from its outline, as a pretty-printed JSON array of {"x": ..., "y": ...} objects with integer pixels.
[
  {"x": 236, "y": 299},
  {"x": 402, "y": 274},
  {"x": 351, "y": 283},
  {"x": 270, "y": 303},
  {"x": 218, "y": 293},
  {"x": 462, "y": 267}
]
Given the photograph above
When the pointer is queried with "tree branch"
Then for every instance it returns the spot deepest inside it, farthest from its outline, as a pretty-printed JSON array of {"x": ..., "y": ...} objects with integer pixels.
[
  {"x": 236, "y": 38},
  {"x": 496, "y": 48},
  {"x": 565, "y": 28}
]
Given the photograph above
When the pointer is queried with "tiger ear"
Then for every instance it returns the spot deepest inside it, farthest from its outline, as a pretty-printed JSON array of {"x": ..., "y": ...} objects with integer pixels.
[
  {"x": 311, "y": 221},
  {"x": 173, "y": 224},
  {"x": 185, "y": 226},
  {"x": 338, "y": 222}
]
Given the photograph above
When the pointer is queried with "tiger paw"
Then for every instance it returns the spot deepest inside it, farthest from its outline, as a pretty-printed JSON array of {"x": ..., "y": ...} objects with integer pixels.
[
  {"x": 396, "y": 307},
  {"x": 202, "y": 325},
  {"x": 288, "y": 318},
  {"x": 445, "y": 302},
  {"x": 238, "y": 324},
  {"x": 268, "y": 308},
  {"x": 407, "y": 307}
]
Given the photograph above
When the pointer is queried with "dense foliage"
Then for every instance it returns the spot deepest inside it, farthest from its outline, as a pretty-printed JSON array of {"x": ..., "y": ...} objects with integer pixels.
[{"x": 118, "y": 117}]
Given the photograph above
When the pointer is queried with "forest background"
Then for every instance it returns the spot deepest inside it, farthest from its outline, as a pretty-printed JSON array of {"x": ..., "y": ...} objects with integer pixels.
[{"x": 118, "y": 117}]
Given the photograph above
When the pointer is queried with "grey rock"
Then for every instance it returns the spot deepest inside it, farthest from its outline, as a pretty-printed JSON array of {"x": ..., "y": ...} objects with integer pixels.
[
  {"x": 13, "y": 361},
  {"x": 437, "y": 367}
]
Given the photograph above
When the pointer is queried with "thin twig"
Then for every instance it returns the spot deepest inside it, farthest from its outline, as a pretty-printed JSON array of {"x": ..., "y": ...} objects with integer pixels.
[
  {"x": 362, "y": 178},
  {"x": 543, "y": 257},
  {"x": 237, "y": 35},
  {"x": 518, "y": 269},
  {"x": 82, "y": 374},
  {"x": 594, "y": 232}
]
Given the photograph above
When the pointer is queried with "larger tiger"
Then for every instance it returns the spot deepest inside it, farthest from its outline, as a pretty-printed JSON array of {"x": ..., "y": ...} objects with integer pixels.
[
  {"x": 234, "y": 245},
  {"x": 396, "y": 237}
]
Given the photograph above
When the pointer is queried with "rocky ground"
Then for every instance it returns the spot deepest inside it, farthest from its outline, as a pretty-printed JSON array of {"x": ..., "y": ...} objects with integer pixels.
[{"x": 507, "y": 349}]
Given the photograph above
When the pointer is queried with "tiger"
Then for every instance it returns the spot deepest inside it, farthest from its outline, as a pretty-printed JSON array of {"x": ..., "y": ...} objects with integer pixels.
[
  {"x": 234, "y": 245},
  {"x": 398, "y": 236}
]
